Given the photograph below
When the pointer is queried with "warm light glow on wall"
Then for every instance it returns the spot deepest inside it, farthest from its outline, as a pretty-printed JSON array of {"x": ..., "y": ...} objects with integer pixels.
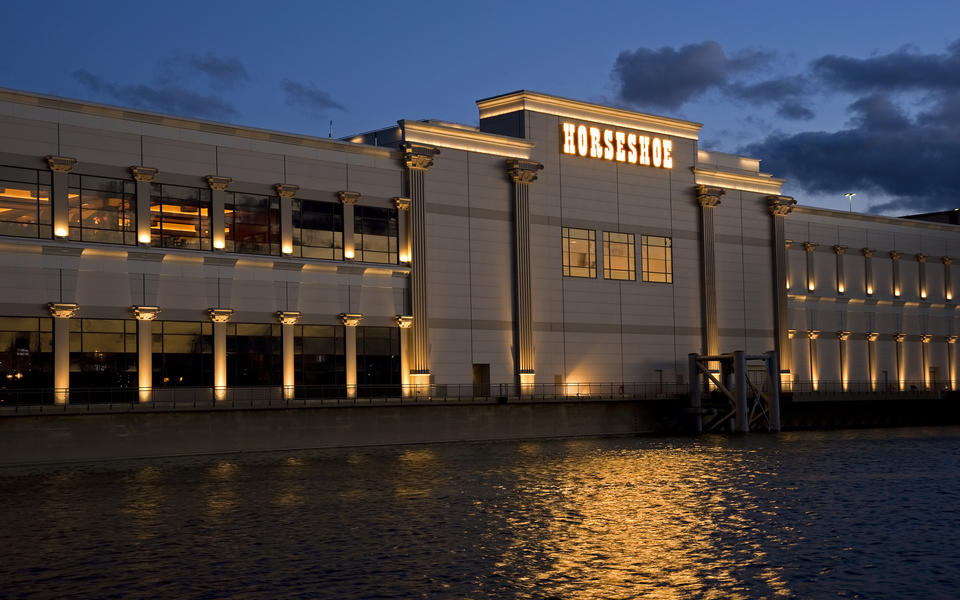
[
  {"x": 616, "y": 145},
  {"x": 840, "y": 288},
  {"x": 869, "y": 290},
  {"x": 348, "y": 253},
  {"x": 287, "y": 249},
  {"x": 404, "y": 258},
  {"x": 219, "y": 243},
  {"x": 144, "y": 238},
  {"x": 923, "y": 293},
  {"x": 61, "y": 232},
  {"x": 810, "y": 286},
  {"x": 896, "y": 291}
]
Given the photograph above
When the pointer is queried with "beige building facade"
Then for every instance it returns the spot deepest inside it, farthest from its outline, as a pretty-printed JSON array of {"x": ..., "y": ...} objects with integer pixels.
[{"x": 557, "y": 246}]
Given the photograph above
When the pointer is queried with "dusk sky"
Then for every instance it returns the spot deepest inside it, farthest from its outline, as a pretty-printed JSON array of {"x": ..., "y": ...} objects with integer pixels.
[{"x": 835, "y": 96}]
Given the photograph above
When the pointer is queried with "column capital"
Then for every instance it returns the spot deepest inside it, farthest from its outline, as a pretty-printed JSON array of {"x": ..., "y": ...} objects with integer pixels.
[
  {"x": 143, "y": 173},
  {"x": 838, "y": 249},
  {"x": 946, "y": 260},
  {"x": 522, "y": 171},
  {"x": 351, "y": 319},
  {"x": 872, "y": 336},
  {"x": 809, "y": 246},
  {"x": 418, "y": 156},
  {"x": 288, "y": 317},
  {"x": 894, "y": 255},
  {"x": 867, "y": 252},
  {"x": 925, "y": 338},
  {"x": 217, "y": 183},
  {"x": 145, "y": 313},
  {"x": 63, "y": 310},
  {"x": 404, "y": 321},
  {"x": 843, "y": 335},
  {"x": 709, "y": 196},
  {"x": 61, "y": 164},
  {"x": 780, "y": 206},
  {"x": 813, "y": 334},
  {"x": 791, "y": 333},
  {"x": 401, "y": 203},
  {"x": 286, "y": 190},
  {"x": 220, "y": 315},
  {"x": 899, "y": 337},
  {"x": 921, "y": 258},
  {"x": 951, "y": 339},
  {"x": 348, "y": 197},
  {"x": 787, "y": 243}
]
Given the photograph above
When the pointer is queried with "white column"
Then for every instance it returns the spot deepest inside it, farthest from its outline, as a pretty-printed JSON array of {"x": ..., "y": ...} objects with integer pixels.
[
  {"x": 842, "y": 337},
  {"x": 286, "y": 192},
  {"x": 709, "y": 198},
  {"x": 952, "y": 361},
  {"x": 405, "y": 322},
  {"x": 895, "y": 265},
  {"x": 522, "y": 173},
  {"x": 810, "y": 248},
  {"x": 899, "y": 338},
  {"x": 60, "y": 165},
  {"x": 403, "y": 228},
  {"x": 348, "y": 199},
  {"x": 872, "y": 359},
  {"x": 868, "y": 270},
  {"x": 350, "y": 322},
  {"x": 144, "y": 177},
  {"x": 218, "y": 198},
  {"x": 922, "y": 278},
  {"x": 145, "y": 316},
  {"x": 780, "y": 207},
  {"x": 841, "y": 278},
  {"x": 812, "y": 336},
  {"x": 61, "y": 313},
  {"x": 220, "y": 318},
  {"x": 288, "y": 319},
  {"x": 947, "y": 280},
  {"x": 925, "y": 357}
]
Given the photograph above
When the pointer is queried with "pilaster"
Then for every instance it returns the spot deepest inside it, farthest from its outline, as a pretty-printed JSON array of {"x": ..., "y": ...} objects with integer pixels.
[
  {"x": 348, "y": 199},
  {"x": 522, "y": 173},
  {"x": 872, "y": 359},
  {"x": 812, "y": 336},
  {"x": 842, "y": 337},
  {"x": 868, "y": 269},
  {"x": 810, "y": 248},
  {"x": 350, "y": 322},
  {"x": 144, "y": 177},
  {"x": 145, "y": 316},
  {"x": 900, "y": 338},
  {"x": 61, "y": 312},
  {"x": 403, "y": 228},
  {"x": 947, "y": 279},
  {"x": 286, "y": 192},
  {"x": 922, "y": 276},
  {"x": 60, "y": 167},
  {"x": 220, "y": 318},
  {"x": 841, "y": 279},
  {"x": 895, "y": 265},
  {"x": 404, "y": 322},
  {"x": 952, "y": 361},
  {"x": 780, "y": 207},
  {"x": 708, "y": 198},
  {"x": 218, "y": 200},
  {"x": 418, "y": 158}
]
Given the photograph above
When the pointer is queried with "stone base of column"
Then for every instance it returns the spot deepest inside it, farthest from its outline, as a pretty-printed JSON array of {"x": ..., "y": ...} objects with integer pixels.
[{"x": 419, "y": 383}]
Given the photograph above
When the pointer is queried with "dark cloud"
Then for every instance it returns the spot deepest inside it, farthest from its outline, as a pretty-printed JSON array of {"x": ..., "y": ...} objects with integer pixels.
[
  {"x": 794, "y": 111},
  {"x": 314, "y": 100},
  {"x": 668, "y": 77},
  {"x": 221, "y": 72},
  {"x": 169, "y": 98},
  {"x": 789, "y": 93},
  {"x": 902, "y": 70},
  {"x": 885, "y": 151}
]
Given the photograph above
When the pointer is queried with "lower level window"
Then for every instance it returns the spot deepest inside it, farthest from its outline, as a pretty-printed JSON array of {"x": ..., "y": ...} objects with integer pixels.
[
  {"x": 253, "y": 354},
  {"x": 579, "y": 252},
  {"x": 26, "y": 353},
  {"x": 619, "y": 256},
  {"x": 657, "y": 258},
  {"x": 103, "y": 354},
  {"x": 182, "y": 353}
]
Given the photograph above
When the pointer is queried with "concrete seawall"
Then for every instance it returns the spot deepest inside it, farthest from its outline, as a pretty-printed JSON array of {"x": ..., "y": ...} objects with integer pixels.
[{"x": 90, "y": 437}]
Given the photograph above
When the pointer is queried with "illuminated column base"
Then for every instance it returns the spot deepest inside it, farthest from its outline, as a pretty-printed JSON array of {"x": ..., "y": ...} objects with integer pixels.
[
  {"x": 220, "y": 318},
  {"x": 145, "y": 316},
  {"x": 348, "y": 199},
  {"x": 218, "y": 198},
  {"x": 952, "y": 361},
  {"x": 61, "y": 313},
  {"x": 143, "y": 176},
  {"x": 527, "y": 379},
  {"x": 403, "y": 228},
  {"x": 350, "y": 322},
  {"x": 286, "y": 192},
  {"x": 288, "y": 320},
  {"x": 419, "y": 383}
]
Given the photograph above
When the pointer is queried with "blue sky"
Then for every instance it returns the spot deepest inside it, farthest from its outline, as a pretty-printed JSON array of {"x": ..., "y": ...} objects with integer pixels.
[{"x": 835, "y": 96}]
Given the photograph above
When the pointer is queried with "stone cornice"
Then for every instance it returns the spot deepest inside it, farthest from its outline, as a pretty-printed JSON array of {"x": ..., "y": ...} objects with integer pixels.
[
  {"x": 759, "y": 184},
  {"x": 842, "y": 214},
  {"x": 469, "y": 140},
  {"x": 575, "y": 109},
  {"x": 523, "y": 171},
  {"x": 143, "y": 173}
]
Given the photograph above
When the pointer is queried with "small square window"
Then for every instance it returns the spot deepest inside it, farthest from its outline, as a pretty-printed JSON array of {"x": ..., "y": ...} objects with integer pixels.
[
  {"x": 579, "y": 252},
  {"x": 619, "y": 256},
  {"x": 656, "y": 258}
]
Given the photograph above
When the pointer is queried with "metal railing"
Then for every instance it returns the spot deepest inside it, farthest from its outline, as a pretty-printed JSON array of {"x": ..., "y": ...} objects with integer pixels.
[
  {"x": 863, "y": 389},
  {"x": 58, "y": 401}
]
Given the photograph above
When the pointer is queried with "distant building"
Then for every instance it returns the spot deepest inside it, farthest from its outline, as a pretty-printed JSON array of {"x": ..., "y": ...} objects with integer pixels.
[{"x": 558, "y": 243}]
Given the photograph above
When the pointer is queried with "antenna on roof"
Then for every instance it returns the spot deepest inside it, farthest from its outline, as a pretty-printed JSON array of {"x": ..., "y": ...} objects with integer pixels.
[{"x": 330, "y": 135}]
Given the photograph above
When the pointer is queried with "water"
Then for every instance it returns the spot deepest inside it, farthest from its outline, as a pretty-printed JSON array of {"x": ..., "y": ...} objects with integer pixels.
[{"x": 863, "y": 514}]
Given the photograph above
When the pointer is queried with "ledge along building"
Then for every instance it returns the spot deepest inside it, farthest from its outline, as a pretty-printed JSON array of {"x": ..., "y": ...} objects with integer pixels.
[{"x": 558, "y": 247}]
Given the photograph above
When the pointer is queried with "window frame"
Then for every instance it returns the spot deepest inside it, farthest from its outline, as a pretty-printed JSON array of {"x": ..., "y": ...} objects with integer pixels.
[
  {"x": 645, "y": 260},
  {"x": 591, "y": 239},
  {"x": 608, "y": 271}
]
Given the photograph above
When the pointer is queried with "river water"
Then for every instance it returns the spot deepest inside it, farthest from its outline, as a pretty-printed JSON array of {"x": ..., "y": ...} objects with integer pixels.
[{"x": 855, "y": 514}]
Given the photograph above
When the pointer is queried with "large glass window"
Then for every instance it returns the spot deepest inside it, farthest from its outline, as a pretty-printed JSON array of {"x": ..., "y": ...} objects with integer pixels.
[
  {"x": 319, "y": 354},
  {"x": 102, "y": 209},
  {"x": 657, "y": 258},
  {"x": 26, "y": 353},
  {"x": 378, "y": 361},
  {"x": 180, "y": 217},
  {"x": 103, "y": 354},
  {"x": 579, "y": 252},
  {"x": 182, "y": 353},
  {"x": 375, "y": 234},
  {"x": 25, "y": 203},
  {"x": 318, "y": 229},
  {"x": 619, "y": 256},
  {"x": 253, "y": 354},
  {"x": 252, "y": 224}
]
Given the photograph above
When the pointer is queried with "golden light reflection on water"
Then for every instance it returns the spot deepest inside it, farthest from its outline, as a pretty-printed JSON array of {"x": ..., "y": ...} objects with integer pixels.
[
  {"x": 291, "y": 483},
  {"x": 643, "y": 524},
  {"x": 220, "y": 490},
  {"x": 414, "y": 473}
]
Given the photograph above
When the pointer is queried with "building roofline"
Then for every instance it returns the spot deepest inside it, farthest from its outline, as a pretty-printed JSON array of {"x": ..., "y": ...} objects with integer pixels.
[
  {"x": 577, "y": 109},
  {"x": 899, "y": 221},
  {"x": 470, "y": 140},
  {"x": 141, "y": 116}
]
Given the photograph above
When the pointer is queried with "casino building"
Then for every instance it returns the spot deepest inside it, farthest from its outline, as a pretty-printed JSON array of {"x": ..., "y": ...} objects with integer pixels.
[{"x": 558, "y": 244}]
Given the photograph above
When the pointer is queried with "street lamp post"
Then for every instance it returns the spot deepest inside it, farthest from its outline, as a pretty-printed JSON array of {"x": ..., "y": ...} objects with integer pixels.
[{"x": 850, "y": 196}]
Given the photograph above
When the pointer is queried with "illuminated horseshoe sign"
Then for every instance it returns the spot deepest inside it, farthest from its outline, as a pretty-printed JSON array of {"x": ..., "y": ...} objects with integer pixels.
[{"x": 618, "y": 146}]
